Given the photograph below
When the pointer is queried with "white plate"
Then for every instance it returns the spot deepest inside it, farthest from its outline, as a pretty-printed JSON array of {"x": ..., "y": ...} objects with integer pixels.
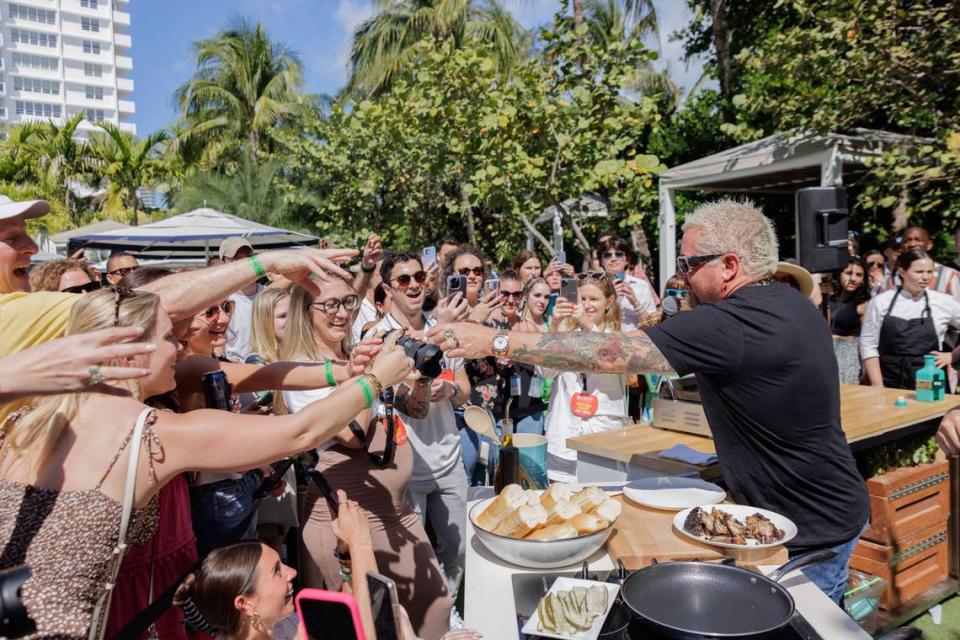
[
  {"x": 672, "y": 493},
  {"x": 740, "y": 512},
  {"x": 565, "y": 584}
]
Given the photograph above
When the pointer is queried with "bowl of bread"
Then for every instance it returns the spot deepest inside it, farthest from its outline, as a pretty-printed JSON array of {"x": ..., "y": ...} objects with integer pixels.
[{"x": 557, "y": 527}]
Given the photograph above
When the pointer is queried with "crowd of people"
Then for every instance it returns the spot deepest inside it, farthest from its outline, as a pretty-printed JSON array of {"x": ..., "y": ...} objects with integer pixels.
[{"x": 344, "y": 449}]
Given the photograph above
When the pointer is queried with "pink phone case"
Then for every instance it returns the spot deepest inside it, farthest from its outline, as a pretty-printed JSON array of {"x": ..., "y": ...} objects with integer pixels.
[{"x": 333, "y": 596}]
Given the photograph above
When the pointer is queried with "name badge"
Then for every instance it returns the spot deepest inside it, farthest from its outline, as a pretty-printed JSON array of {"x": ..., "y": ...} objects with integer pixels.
[{"x": 515, "y": 386}]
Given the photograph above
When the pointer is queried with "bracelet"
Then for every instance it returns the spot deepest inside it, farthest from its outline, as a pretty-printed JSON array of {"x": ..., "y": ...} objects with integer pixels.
[
  {"x": 258, "y": 269},
  {"x": 368, "y": 269},
  {"x": 328, "y": 372},
  {"x": 367, "y": 390},
  {"x": 345, "y": 575},
  {"x": 377, "y": 385}
]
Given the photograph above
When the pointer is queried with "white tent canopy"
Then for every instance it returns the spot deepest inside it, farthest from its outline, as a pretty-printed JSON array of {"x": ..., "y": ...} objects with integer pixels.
[
  {"x": 776, "y": 164},
  {"x": 196, "y": 234}
]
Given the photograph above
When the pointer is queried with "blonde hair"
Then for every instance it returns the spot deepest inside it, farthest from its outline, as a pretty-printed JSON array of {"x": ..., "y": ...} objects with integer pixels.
[
  {"x": 527, "y": 288},
  {"x": 263, "y": 337},
  {"x": 35, "y": 435},
  {"x": 611, "y": 315},
  {"x": 300, "y": 337},
  {"x": 736, "y": 226}
]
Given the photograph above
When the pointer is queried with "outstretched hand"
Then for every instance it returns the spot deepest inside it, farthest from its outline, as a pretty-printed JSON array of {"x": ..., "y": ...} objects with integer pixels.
[{"x": 463, "y": 339}]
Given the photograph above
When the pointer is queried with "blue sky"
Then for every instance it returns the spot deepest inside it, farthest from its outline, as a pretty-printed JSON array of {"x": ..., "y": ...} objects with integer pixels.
[{"x": 319, "y": 30}]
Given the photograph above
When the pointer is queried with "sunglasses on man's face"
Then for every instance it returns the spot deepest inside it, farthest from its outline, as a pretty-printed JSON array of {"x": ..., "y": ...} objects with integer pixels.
[
  {"x": 122, "y": 271},
  {"x": 610, "y": 255},
  {"x": 686, "y": 264},
  {"x": 403, "y": 280},
  {"x": 465, "y": 271},
  {"x": 83, "y": 288},
  {"x": 227, "y": 306},
  {"x": 516, "y": 295}
]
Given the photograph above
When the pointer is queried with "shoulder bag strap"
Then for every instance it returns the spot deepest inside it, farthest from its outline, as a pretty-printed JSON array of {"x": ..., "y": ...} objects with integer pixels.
[{"x": 102, "y": 610}]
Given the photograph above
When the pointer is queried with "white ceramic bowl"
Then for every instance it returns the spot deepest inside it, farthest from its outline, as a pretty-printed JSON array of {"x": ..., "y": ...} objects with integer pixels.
[{"x": 538, "y": 554}]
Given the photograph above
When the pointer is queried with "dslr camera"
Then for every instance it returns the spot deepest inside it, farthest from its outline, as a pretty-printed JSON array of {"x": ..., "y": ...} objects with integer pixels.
[
  {"x": 427, "y": 358},
  {"x": 14, "y": 621}
]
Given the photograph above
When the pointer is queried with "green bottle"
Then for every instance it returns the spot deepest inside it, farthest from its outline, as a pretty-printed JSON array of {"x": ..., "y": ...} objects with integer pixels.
[{"x": 931, "y": 381}]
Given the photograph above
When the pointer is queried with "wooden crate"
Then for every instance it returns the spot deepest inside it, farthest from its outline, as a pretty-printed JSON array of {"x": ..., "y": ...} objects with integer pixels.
[
  {"x": 678, "y": 415},
  {"x": 911, "y": 565},
  {"x": 906, "y": 500}
]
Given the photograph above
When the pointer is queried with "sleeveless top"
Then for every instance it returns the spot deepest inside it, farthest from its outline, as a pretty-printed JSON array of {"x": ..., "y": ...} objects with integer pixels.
[
  {"x": 67, "y": 539},
  {"x": 844, "y": 319}
]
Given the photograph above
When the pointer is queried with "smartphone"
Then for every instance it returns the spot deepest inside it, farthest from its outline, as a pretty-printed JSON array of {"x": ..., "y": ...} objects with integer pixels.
[
  {"x": 568, "y": 290},
  {"x": 269, "y": 484},
  {"x": 428, "y": 255},
  {"x": 561, "y": 256},
  {"x": 384, "y": 606},
  {"x": 491, "y": 286},
  {"x": 456, "y": 284},
  {"x": 551, "y": 304},
  {"x": 619, "y": 276},
  {"x": 329, "y": 614}
]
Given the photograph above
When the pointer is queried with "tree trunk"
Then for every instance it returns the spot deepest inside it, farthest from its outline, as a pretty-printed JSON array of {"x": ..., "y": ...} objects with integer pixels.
[
  {"x": 542, "y": 239},
  {"x": 468, "y": 210},
  {"x": 721, "y": 45},
  {"x": 642, "y": 246}
]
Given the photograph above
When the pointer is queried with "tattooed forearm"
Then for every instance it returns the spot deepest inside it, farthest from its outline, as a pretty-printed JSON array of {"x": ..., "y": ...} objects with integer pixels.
[
  {"x": 594, "y": 351},
  {"x": 413, "y": 402}
]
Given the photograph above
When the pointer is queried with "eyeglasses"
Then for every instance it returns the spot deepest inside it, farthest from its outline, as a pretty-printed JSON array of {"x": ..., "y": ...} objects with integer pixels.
[
  {"x": 592, "y": 275},
  {"x": 227, "y": 306},
  {"x": 83, "y": 288},
  {"x": 516, "y": 295},
  {"x": 686, "y": 264},
  {"x": 619, "y": 255},
  {"x": 332, "y": 305},
  {"x": 676, "y": 292},
  {"x": 122, "y": 271},
  {"x": 477, "y": 271},
  {"x": 119, "y": 293},
  {"x": 875, "y": 263},
  {"x": 404, "y": 279}
]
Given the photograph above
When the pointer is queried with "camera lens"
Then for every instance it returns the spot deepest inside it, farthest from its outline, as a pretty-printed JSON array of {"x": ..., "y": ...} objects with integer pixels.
[
  {"x": 427, "y": 358},
  {"x": 14, "y": 621}
]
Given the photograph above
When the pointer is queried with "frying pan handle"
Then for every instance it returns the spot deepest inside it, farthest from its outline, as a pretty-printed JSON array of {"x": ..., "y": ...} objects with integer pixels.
[
  {"x": 803, "y": 560},
  {"x": 903, "y": 633}
]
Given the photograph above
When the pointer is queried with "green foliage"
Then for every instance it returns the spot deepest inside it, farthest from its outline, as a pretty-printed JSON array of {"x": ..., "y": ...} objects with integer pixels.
[
  {"x": 905, "y": 452},
  {"x": 123, "y": 164},
  {"x": 461, "y": 151}
]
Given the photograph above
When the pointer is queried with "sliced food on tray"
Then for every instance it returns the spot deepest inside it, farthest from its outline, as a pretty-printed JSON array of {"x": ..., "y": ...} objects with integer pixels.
[
  {"x": 718, "y": 525},
  {"x": 570, "y": 612}
]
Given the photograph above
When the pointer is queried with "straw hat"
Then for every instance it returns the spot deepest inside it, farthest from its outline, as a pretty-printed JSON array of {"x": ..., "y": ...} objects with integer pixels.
[{"x": 801, "y": 276}]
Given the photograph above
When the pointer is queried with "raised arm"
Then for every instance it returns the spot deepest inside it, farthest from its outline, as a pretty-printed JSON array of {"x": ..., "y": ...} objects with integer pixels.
[{"x": 575, "y": 351}]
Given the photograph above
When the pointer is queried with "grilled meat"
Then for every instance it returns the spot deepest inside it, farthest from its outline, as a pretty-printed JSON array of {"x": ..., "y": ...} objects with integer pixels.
[
  {"x": 719, "y": 526},
  {"x": 760, "y": 528}
]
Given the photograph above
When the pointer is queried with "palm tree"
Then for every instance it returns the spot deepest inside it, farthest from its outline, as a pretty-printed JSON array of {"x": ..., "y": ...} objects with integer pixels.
[
  {"x": 383, "y": 45},
  {"x": 124, "y": 164},
  {"x": 244, "y": 85},
  {"x": 251, "y": 192},
  {"x": 59, "y": 157}
]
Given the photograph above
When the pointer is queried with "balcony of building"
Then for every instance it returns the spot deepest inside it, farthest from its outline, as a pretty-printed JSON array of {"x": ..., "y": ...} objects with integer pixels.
[
  {"x": 124, "y": 85},
  {"x": 126, "y": 106}
]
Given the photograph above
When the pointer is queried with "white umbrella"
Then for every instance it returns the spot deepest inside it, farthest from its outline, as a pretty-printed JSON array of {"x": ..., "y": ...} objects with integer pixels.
[{"x": 195, "y": 234}]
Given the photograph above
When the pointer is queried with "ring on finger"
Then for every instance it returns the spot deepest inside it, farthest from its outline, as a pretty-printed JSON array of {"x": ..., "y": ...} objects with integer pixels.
[
  {"x": 450, "y": 336},
  {"x": 96, "y": 377}
]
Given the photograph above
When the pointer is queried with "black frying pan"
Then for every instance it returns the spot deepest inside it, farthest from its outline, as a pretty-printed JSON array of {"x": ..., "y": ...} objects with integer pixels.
[{"x": 698, "y": 600}]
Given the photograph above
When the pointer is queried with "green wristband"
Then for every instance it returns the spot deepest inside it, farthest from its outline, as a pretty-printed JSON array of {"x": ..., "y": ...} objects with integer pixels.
[
  {"x": 328, "y": 372},
  {"x": 258, "y": 269},
  {"x": 367, "y": 390}
]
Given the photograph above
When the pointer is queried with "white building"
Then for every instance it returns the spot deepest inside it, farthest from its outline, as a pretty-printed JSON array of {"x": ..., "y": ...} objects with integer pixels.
[{"x": 63, "y": 57}]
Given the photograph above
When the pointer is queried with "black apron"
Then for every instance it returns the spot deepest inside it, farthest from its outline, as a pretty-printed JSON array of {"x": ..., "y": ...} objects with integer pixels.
[{"x": 903, "y": 343}]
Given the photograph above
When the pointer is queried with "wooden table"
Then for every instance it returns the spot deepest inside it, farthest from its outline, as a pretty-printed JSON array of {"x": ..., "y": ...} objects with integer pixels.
[{"x": 866, "y": 413}]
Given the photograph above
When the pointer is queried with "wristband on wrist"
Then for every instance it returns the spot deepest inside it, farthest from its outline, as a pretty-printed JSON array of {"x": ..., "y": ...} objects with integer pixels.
[
  {"x": 328, "y": 372},
  {"x": 258, "y": 269},
  {"x": 345, "y": 575},
  {"x": 367, "y": 390},
  {"x": 367, "y": 269}
]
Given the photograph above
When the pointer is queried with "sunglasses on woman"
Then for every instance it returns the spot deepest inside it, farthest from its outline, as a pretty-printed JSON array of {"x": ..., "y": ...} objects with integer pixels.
[
  {"x": 679, "y": 293},
  {"x": 465, "y": 271},
  {"x": 609, "y": 255},
  {"x": 332, "y": 305},
  {"x": 516, "y": 295},
  {"x": 83, "y": 288},
  {"x": 686, "y": 264},
  {"x": 404, "y": 279},
  {"x": 227, "y": 306},
  {"x": 592, "y": 275},
  {"x": 875, "y": 264}
]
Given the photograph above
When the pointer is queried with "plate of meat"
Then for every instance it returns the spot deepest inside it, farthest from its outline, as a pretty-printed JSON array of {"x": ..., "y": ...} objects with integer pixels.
[{"x": 735, "y": 526}]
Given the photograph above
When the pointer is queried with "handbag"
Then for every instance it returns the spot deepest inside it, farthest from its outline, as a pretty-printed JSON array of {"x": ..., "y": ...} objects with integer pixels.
[{"x": 99, "y": 623}]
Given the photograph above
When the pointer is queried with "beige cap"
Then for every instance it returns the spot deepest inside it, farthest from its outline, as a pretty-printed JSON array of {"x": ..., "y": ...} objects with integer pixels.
[
  {"x": 27, "y": 208},
  {"x": 230, "y": 246},
  {"x": 801, "y": 276}
]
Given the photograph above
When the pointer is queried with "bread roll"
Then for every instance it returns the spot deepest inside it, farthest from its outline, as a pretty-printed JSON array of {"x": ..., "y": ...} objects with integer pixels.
[
  {"x": 511, "y": 497},
  {"x": 609, "y": 509},
  {"x": 562, "y": 511},
  {"x": 554, "y": 493},
  {"x": 586, "y": 523},
  {"x": 553, "y": 532},
  {"x": 589, "y": 498},
  {"x": 522, "y": 521}
]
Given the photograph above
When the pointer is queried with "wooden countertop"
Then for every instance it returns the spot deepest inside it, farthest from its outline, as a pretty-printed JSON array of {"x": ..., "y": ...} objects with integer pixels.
[{"x": 865, "y": 412}]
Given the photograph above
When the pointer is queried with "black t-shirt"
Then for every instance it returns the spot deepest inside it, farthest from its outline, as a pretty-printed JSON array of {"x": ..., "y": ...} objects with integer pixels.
[{"x": 767, "y": 376}]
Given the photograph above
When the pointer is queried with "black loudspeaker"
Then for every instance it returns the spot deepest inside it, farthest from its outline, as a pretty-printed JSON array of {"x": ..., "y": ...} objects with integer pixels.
[{"x": 822, "y": 218}]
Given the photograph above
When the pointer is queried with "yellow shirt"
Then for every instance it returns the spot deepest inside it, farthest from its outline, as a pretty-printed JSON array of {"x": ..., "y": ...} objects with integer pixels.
[{"x": 28, "y": 319}]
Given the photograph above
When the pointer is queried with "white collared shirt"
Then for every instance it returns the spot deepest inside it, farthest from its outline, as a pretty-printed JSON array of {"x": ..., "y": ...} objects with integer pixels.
[{"x": 944, "y": 308}]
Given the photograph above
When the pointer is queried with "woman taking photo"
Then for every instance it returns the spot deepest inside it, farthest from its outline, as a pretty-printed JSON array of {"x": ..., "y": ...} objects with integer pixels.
[
  {"x": 635, "y": 297},
  {"x": 467, "y": 261},
  {"x": 581, "y": 404},
  {"x": 904, "y": 324},
  {"x": 318, "y": 330},
  {"x": 63, "y": 465}
]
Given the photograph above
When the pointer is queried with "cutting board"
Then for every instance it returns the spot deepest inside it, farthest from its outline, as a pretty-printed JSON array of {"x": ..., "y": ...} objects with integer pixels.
[{"x": 642, "y": 535}]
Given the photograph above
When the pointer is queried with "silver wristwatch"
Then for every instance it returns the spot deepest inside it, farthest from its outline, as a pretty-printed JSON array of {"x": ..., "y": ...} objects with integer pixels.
[{"x": 501, "y": 344}]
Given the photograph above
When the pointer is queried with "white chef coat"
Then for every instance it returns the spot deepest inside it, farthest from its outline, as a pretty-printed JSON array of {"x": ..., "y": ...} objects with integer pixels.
[{"x": 943, "y": 307}]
